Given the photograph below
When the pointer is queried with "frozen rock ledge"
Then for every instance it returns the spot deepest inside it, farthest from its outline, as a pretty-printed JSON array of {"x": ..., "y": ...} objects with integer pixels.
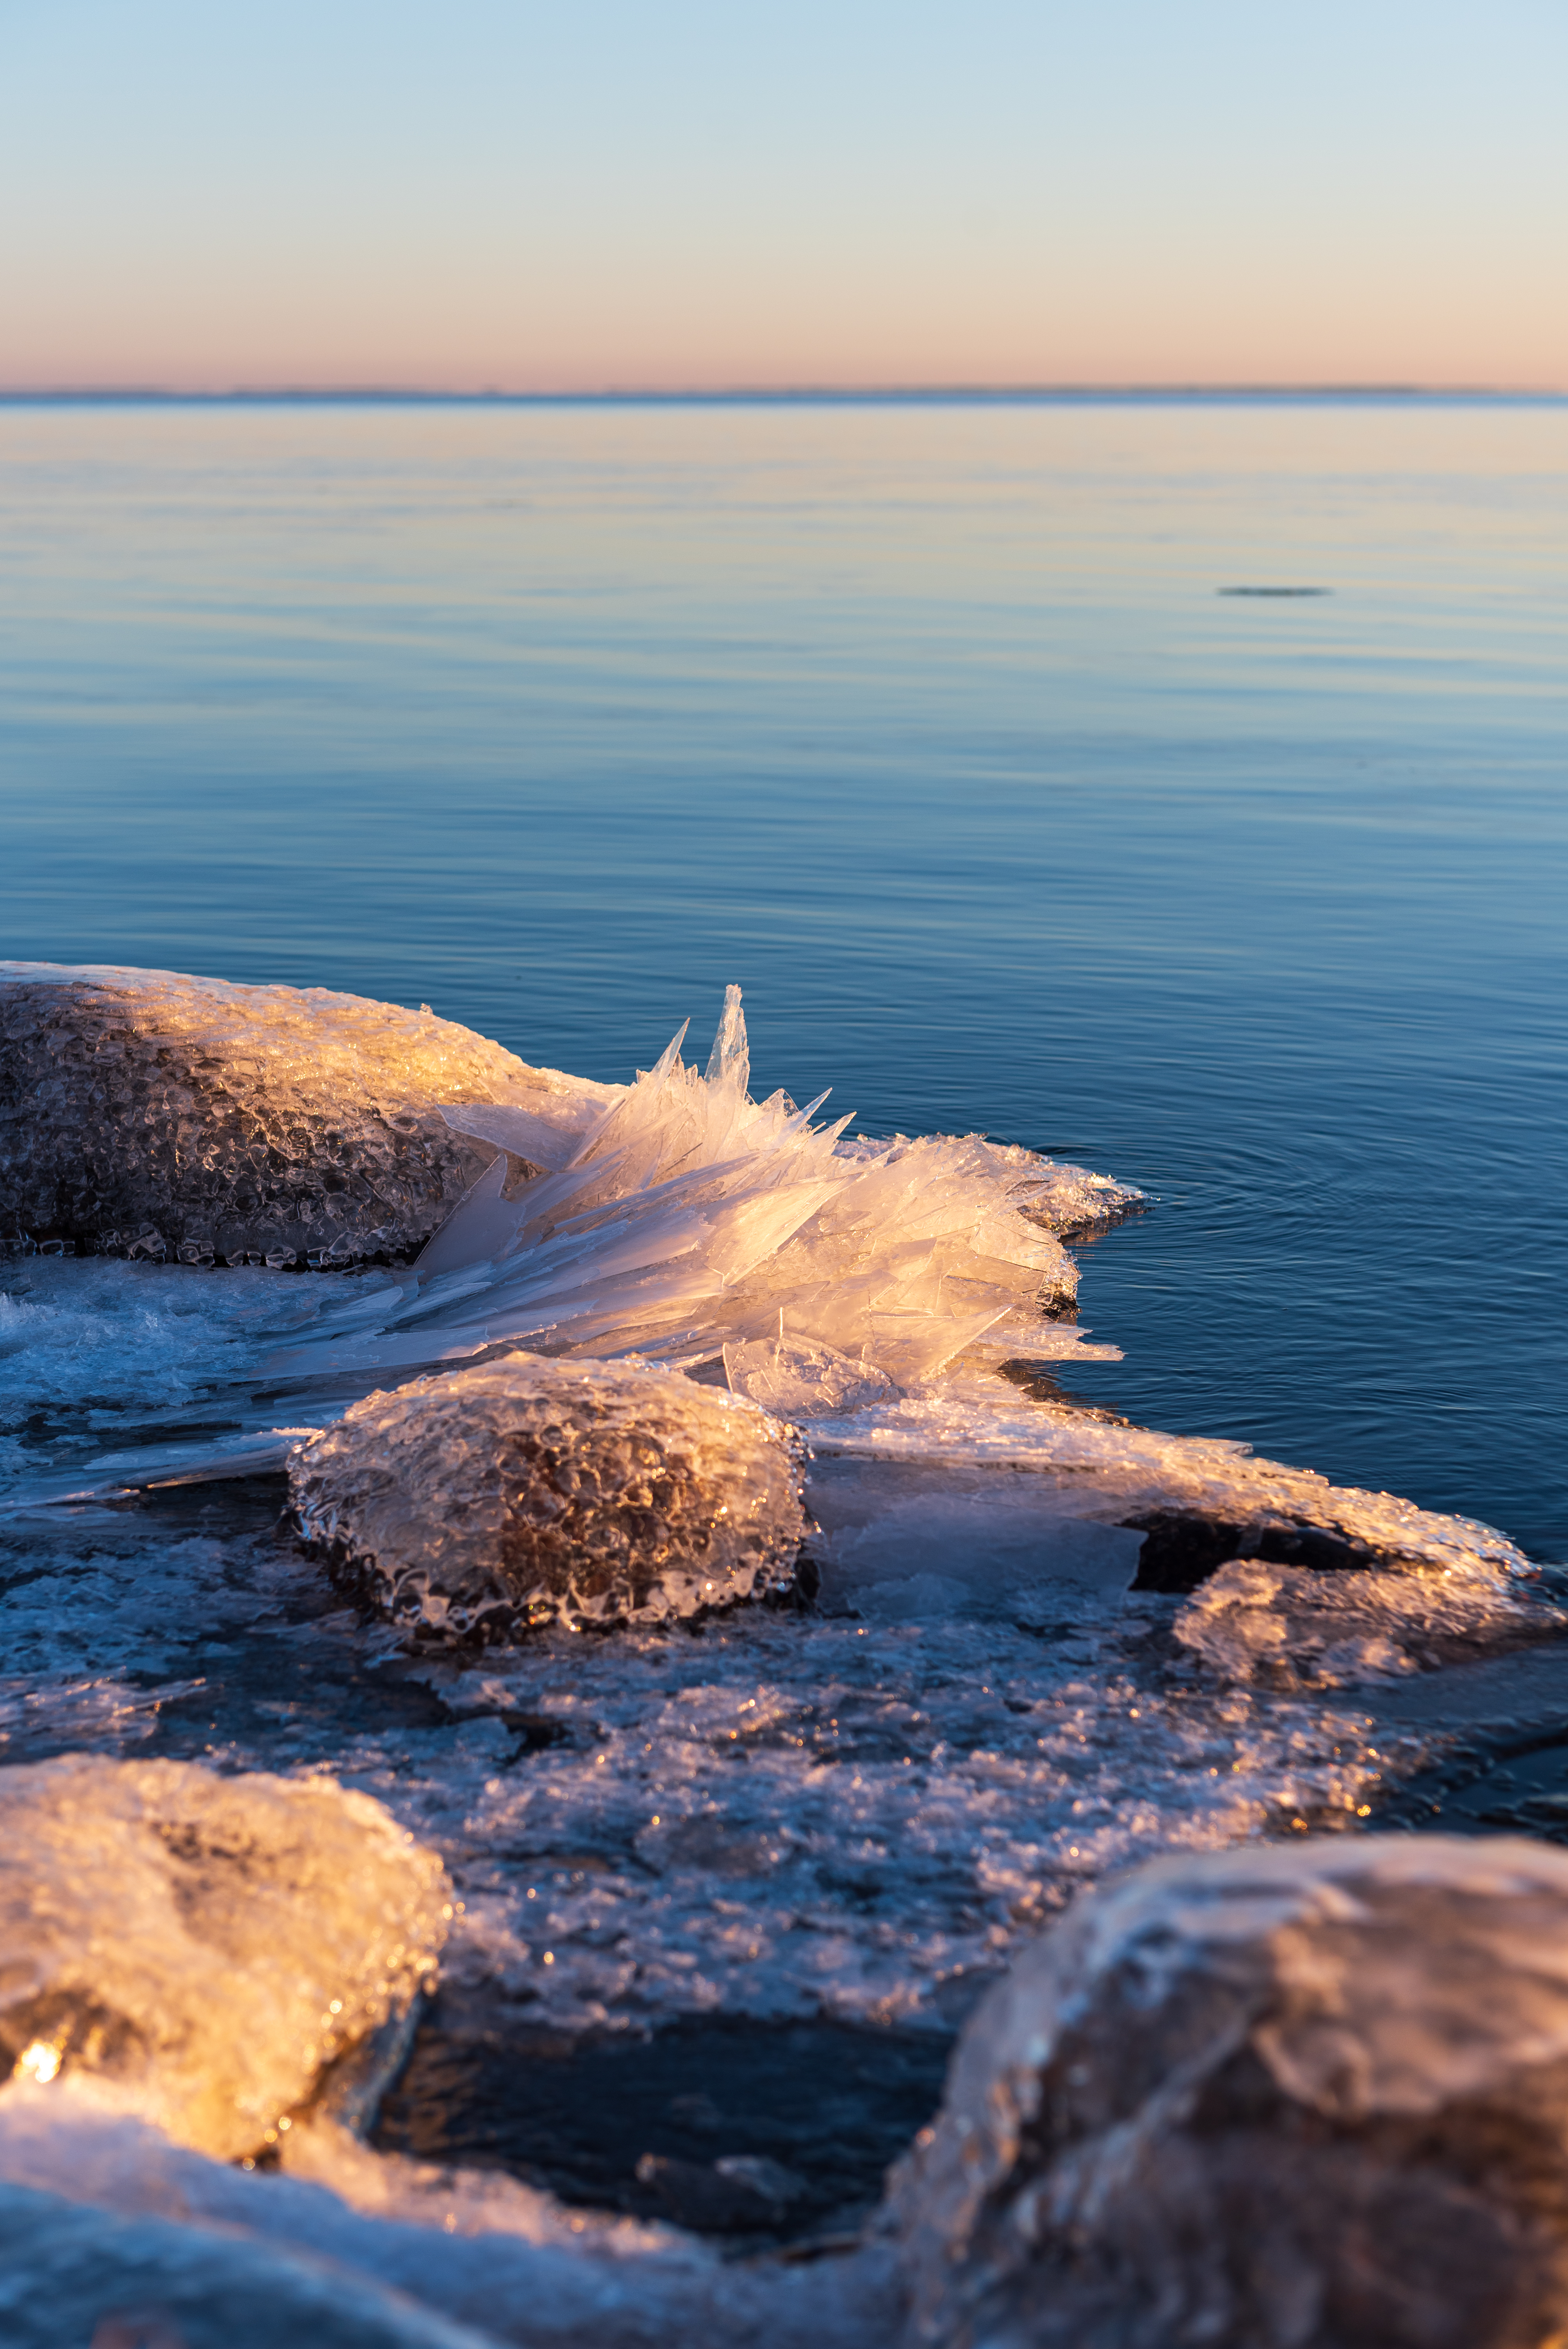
[
  {"x": 530, "y": 1490},
  {"x": 1312, "y": 2097},
  {"x": 147, "y": 1114}
]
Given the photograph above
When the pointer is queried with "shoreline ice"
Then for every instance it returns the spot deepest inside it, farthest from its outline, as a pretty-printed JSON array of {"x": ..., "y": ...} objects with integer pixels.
[{"x": 1035, "y": 1646}]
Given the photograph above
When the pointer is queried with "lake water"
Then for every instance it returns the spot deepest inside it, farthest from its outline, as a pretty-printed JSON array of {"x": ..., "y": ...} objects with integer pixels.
[
  {"x": 951, "y": 732},
  {"x": 933, "y": 726}
]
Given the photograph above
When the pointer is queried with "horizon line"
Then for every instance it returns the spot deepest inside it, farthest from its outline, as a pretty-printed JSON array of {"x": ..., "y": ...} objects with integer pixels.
[{"x": 760, "y": 395}]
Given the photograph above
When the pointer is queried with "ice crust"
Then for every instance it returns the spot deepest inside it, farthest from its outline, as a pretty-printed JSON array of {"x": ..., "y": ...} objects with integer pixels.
[
  {"x": 206, "y": 1946},
  {"x": 150, "y": 1114},
  {"x": 1137, "y": 1474},
  {"x": 533, "y": 1492},
  {"x": 1300, "y": 2098},
  {"x": 74, "y": 2275},
  {"x": 145, "y": 1113},
  {"x": 1290, "y": 1628},
  {"x": 860, "y": 1811},
  {"x": 868, "y": 1814},
  {"x": 376, "y": 2233},
  {"x": 1310, "y": 2098}
]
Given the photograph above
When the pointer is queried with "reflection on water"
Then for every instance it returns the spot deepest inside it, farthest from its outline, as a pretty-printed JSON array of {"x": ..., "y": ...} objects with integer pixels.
[{"x": 929, "y": 727}]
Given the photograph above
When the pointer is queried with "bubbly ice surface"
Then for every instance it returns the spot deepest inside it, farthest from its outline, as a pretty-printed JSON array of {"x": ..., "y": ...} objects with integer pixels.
[
  {"x": 150, "y": 1114},
  {"x": 532, "y": 1491}
]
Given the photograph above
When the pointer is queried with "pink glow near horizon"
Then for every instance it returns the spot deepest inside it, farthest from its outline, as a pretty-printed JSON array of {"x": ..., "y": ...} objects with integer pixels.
[{"x": 485, "y": 197}]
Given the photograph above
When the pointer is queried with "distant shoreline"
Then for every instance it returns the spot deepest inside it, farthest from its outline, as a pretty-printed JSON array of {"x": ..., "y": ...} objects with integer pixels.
[{"x": 827, "y": 395}]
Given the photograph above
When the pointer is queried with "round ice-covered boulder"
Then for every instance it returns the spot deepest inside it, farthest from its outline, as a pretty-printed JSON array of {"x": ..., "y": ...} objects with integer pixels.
[
  {"x": 203, "y": 1946},
  {"x": 1309, "y": 2097},
  {"x": 528, "y": 1492},
  {"x": 145, "y": 1114}
]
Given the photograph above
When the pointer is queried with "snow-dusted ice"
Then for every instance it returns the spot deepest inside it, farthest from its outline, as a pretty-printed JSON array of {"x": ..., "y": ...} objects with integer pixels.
[{"x": 1021, "y": 1647}]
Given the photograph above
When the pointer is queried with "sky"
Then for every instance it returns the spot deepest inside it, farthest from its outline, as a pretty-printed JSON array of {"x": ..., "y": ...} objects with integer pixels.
[{"x": 732, "y": 195}]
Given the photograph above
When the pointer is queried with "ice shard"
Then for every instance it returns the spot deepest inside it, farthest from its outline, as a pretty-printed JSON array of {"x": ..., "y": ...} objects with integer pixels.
[
  {"x": 528, "y": 1491},
  {"x": 691, "y": 1221}
]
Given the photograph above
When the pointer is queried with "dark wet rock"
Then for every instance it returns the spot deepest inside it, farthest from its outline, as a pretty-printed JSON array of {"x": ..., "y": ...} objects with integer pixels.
[
  {"x": 528, "y": 1491},
  {"x": 147, "y": 1114},
  {"x": 1313, "y": 2098},
  {"x": 1513, "y": 1780},
  {"x": 1182, "y": 1548},
  {"x": 739, "y": 2194}
]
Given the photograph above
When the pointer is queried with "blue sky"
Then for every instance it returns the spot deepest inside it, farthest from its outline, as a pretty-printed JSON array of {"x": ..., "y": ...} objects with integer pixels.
[{"x": 477, "y": 194}]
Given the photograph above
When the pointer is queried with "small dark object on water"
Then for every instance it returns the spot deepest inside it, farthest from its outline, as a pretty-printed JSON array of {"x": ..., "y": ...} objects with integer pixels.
[{"x": 1274, "y": 591}]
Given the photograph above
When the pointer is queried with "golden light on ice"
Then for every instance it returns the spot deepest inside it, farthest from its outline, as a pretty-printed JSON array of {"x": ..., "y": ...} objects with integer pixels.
[{"x": 39, "y": 2062}]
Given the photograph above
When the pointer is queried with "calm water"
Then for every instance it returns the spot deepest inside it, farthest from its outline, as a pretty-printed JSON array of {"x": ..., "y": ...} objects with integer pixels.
[{"x": 931, "y": 725}]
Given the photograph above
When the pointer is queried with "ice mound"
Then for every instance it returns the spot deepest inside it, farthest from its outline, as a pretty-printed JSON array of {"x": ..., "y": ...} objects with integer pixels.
[
  {"x": 73, "y": 2276},
  {"x": 1312, "y": 2097},
  {"x": 528, "y": 1492},
  {"x": 149, "y": 1114},
  {"x": 203, "y": 1947},
  {"x": 349, "y": 2237},
  {"x": 691, "y": 1221},
  {"x": 1292, "y": 1628}
]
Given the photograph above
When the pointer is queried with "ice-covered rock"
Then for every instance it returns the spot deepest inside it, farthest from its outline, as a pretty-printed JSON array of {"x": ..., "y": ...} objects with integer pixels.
[
  {"x": 145, "y": 1113},
  {"x": 529, "y": 1491},
  {"x": 1302, "y": 2098},
  {"x": 203, "y": 1947},
  {"x": 71, "y": 2276}
]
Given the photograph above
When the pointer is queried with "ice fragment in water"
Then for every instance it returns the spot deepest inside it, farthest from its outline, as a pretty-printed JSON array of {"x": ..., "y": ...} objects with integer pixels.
[
  {"x": 150, "y": 1114},
  {"x": 1310, "y": 2095},
  {"x": 202, "y": 1947},
  {"x": 529, "y": 1491}
]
